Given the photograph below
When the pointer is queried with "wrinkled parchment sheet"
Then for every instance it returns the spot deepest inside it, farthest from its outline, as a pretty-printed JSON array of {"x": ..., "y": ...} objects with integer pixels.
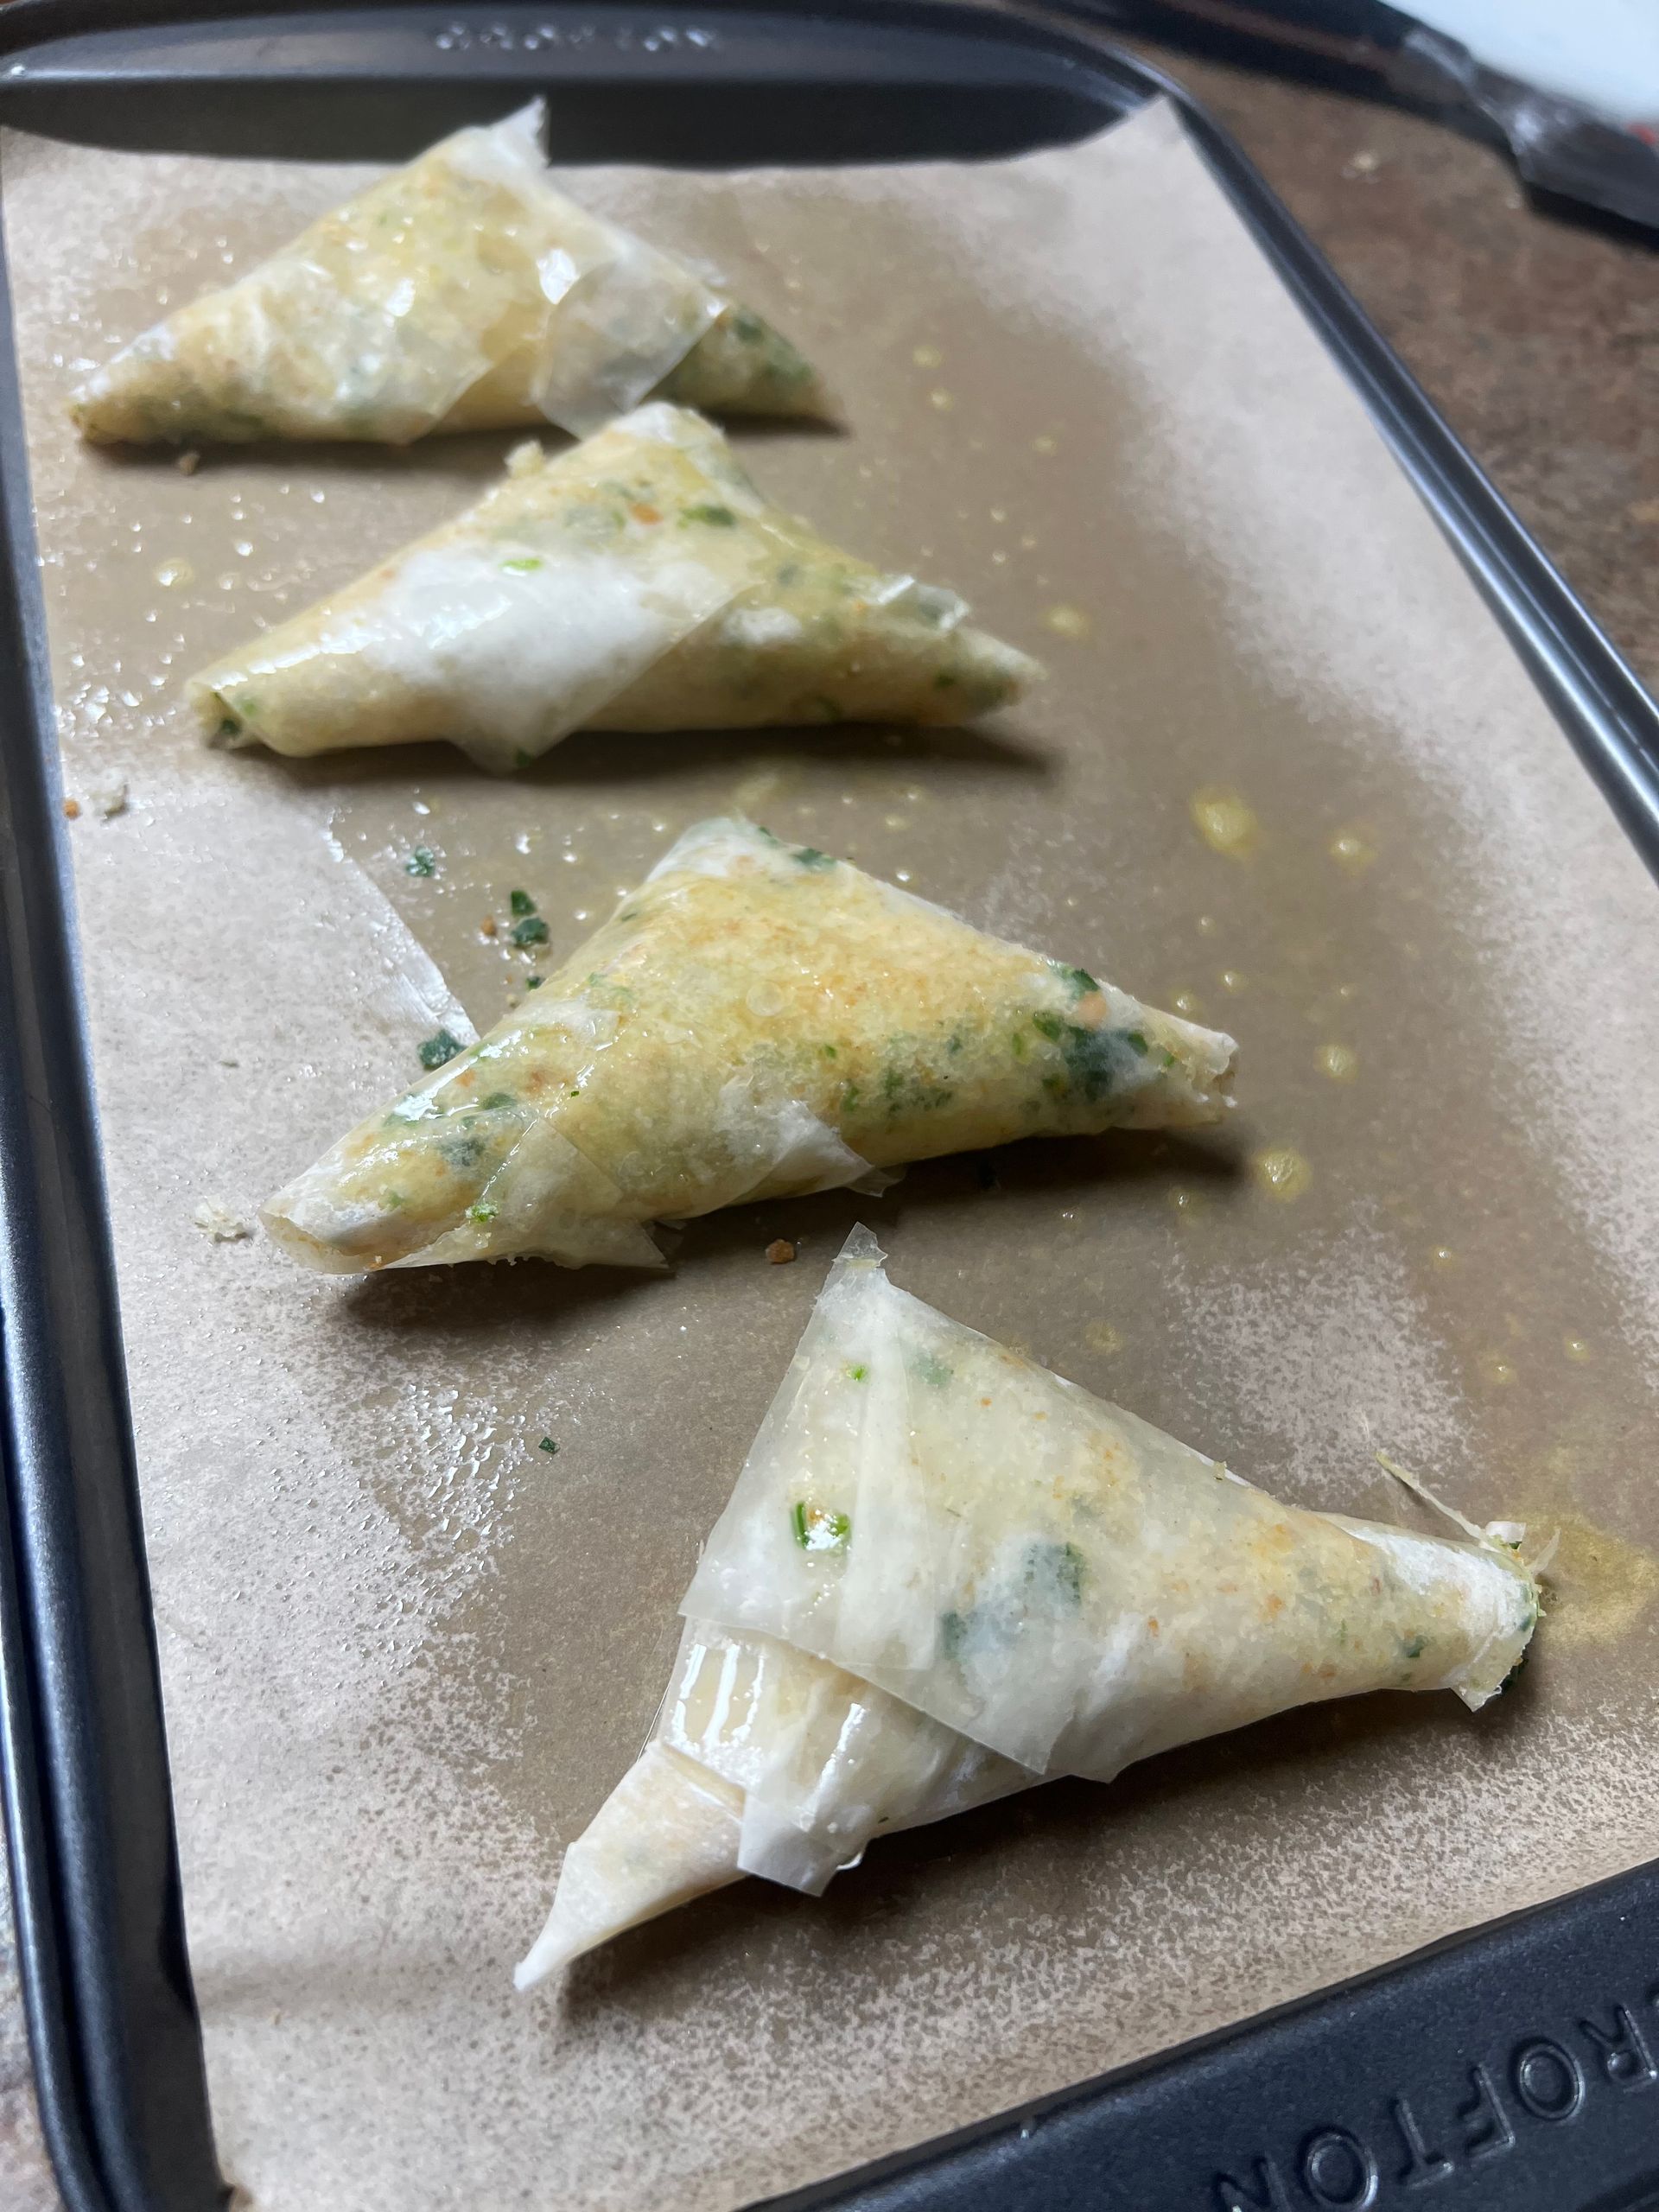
[{"x": 406, "y": 1651}]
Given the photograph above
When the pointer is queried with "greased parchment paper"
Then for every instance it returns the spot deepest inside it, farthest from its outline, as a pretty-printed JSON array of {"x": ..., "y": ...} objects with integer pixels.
[{"x": 1284, "y": 765}]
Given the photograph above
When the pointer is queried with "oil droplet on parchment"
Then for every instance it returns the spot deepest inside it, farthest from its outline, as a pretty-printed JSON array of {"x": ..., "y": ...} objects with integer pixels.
[
  {"x": 1226, "y": 821},
  {"x": 939, "y": 397},
  {"x": 1596, "y": 1586},
  {"x": 1101, "y": 1336},
  {"x": 1067, "y": 621},
  {"x": 168, "y": 573},
  {"x": 1576, "y": 1349},
  {"x": 1282, "y": 1173},
  {"x": 927, "y": 357},
  {"x": 1351, "y": 851},
  {"x": 1339, "y": 1062},
  {"x": 1497, "y": 1369},
  {"x": 1186, "y": 1003},
  {"x": 1045, "y": 441}
]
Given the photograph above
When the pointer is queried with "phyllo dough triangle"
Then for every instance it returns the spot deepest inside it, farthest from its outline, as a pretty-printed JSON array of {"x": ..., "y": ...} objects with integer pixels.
[
  {"x": 459, "y": 293},
  {"x": 758, "y": 1019},
  {"x": 637, "y": 582},
  {"x": 945, "y": 1573}
]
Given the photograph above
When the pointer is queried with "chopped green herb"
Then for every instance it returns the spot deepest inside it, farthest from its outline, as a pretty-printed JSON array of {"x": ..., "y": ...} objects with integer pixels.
[
  {"x": 521, "y": 757},
  {"x": 929, "y": 1368},
  {"x": 1137, "y": 1042},
  {"x": 1049, "y": 1025},
  {"x": 497, "y": 1098},
  {"x": 1415, "y": 1647},
  {"x": 547, "y": 1446},
  {"x": 420, "y": 862},
  {"x": 953, "y": 1627},
  {"x": 228, "y": 726},
  {"x": 523, "y": 564},
  {"x": 857, "y": 1374},
  {"x": 1019, "y": 1044},
  {"x": 520, "y": 902},
  {"x": 829, "y": 1052},
  {"x": 534, "y": 982},
  {"x": 482, "y": 1212},
  {"x": 748, "y": 328},
  {"x": 461, "y": 1151},
  {"x": 789, "y": 573},
  {"x": 435, "y": 1050},
  {"x": 810, "y": 857},
  {"x": 710, "y": 511},
  {"x": 818, "y": 1531},
  {"x": 1055, "y": 1570},
  {"x": 393, "y": 1199},
  {"x": 533, "y": 929},
  {"x": 1078, "y": 981},
  {"x": 850, "y": 1098},
  {"x": 1169, "y": 1060}
]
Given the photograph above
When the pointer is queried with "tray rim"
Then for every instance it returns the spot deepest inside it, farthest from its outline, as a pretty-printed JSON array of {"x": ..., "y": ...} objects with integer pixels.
[{"x": 98, "y": 1963}]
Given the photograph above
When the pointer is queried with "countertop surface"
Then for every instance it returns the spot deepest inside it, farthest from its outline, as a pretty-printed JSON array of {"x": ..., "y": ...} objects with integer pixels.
[{"x": 1538, "y": 338}]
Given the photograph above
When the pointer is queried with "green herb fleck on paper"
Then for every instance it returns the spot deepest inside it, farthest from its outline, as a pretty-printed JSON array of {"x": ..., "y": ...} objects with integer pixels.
[
  {"x": 857, "y": 1374},
  {"x": 953, "y": 1629},
  {"x": 435, "y": 1050},
  {"x": 533, "y": 929},
  {"x": 534, "y": 982},
  {"x": 547, "y": 1446},
  {"x": 523, "y": 564},
  {"x": 928, "y": 1367},
  {"x": 482, "y": 1213},
  {"x": 496, "y": 1099},
  {"x": 710, "y": 511},
  {"x": 421, "y": 862},
  {"x": 520, "y": 902},
  {"x": 810, "y": 857},
  {"x": 818, "y": 1531}
]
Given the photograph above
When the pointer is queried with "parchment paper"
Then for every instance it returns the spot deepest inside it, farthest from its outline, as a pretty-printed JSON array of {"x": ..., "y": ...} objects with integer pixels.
[{"x": 406, "y": 1653}]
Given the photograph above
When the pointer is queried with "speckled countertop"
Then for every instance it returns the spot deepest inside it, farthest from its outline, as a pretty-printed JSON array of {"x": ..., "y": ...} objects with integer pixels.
[{"x": 1537, "y": 339}]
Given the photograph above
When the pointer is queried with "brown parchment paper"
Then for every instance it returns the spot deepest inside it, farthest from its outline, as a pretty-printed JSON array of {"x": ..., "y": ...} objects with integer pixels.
[{"x": 406, "y": 1653}]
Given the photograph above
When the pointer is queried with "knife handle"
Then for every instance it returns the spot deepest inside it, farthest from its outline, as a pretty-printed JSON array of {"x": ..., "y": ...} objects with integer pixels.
[{"x": 1364, "y": 35}]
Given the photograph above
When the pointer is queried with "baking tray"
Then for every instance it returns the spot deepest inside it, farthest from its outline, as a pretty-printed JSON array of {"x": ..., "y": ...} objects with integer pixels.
[{"x": 1502, "y": 2070}]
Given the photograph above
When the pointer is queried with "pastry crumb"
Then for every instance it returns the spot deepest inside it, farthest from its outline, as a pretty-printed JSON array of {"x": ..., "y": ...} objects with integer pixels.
[
  {"x": 487, "y": 926},
  {"x": 72, "y": 810},
  {"x": 215, "y": 1220},
  {"x": 780, "y": 1251},
  {"x": 107, "y": 800},
  {"x": 188, "y": 461}
]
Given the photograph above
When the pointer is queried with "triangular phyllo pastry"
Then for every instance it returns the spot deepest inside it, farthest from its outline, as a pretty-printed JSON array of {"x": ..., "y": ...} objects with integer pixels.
[
  {"x": 636, "y": 581},
  {"x": 945, "y": 1573},
  {"x": 459, "y": 293},
  {"x": 756, "y": 1021}
]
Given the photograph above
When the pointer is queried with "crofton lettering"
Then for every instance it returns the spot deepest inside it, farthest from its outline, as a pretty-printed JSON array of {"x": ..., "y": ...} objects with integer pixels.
[{"x": 1499, "y": 2107}]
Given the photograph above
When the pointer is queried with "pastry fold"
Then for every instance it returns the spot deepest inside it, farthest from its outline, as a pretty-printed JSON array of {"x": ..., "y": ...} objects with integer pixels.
[
  {"x": 636, "y": 581},
  {"x": 945, "y": 1573},
  {"x": 758, "y": 1019},
  {"x": 462, "y": 292}
]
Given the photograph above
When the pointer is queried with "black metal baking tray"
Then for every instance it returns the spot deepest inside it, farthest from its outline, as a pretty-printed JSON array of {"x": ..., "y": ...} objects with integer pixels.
[{"x": 1515, "y": 2070}]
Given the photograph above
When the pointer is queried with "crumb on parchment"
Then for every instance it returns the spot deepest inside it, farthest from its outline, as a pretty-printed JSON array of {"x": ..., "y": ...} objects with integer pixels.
[
  {"x": 215, "y": 1220},
  {"x": 780, "y": 1251}
]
